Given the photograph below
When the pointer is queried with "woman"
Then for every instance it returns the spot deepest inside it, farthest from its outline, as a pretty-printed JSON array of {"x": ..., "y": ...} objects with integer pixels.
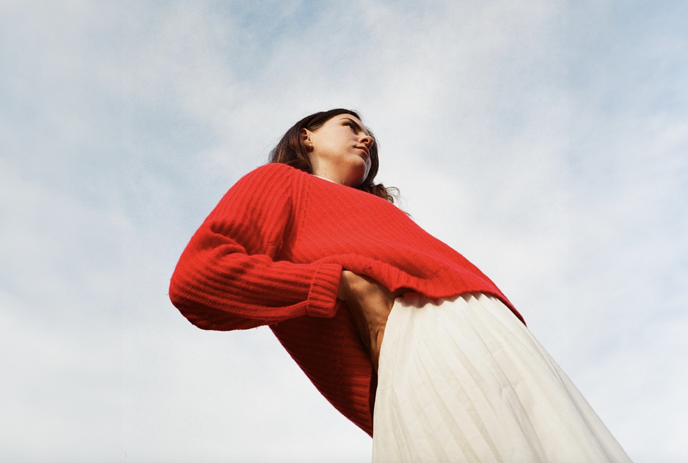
[{"x": 310, "y": 246}]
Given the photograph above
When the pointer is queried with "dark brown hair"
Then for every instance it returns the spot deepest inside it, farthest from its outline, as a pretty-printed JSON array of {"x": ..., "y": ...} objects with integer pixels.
[{"x": 292, "y": 151}]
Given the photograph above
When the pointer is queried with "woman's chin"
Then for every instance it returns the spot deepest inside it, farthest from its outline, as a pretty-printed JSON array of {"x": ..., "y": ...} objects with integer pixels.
[
  {"x": 356, "y": 173},
  {"x": 358, "y": 179}
]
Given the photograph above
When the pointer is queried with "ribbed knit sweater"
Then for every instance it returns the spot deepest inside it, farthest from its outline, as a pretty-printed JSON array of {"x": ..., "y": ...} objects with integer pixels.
[{"x": 272, "y": 253}]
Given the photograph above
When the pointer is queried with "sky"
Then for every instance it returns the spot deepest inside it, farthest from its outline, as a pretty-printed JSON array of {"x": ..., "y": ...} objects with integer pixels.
[{"x": 545, "y": 141}]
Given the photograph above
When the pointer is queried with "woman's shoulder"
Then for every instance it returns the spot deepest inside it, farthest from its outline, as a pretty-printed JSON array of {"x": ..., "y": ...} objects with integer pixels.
[
  {"x": 268, "y": 177},
  {"x": 272, "y": 169},
  {"x": 269, "y": 185}
]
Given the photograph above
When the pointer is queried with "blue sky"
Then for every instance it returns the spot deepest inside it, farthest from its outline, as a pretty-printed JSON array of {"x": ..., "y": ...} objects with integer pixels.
[{"x": 545, "y": 142}]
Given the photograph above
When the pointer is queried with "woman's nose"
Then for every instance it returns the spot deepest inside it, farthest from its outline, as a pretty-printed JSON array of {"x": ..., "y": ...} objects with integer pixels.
[{"x": 368, "y": 141}]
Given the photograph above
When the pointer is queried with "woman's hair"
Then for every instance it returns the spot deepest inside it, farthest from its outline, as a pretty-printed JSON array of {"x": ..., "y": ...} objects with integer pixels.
[{"x": 292, "y": 151}]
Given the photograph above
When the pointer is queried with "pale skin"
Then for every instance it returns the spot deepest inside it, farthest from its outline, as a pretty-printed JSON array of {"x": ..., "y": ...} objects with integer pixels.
[
  {"x": 370, "y": 304},
  {"x": 339, "y": 152}
]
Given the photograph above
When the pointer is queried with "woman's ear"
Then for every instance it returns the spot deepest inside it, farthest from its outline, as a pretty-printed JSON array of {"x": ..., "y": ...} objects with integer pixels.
[{"x": 306, "y": 138}]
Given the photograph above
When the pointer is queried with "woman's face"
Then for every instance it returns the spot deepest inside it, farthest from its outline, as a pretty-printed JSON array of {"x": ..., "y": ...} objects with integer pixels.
[{"x": 339, "y": 150}]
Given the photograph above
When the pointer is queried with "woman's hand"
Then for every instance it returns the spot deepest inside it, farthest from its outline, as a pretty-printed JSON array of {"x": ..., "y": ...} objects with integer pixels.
[{"x": 370, "y": 304}]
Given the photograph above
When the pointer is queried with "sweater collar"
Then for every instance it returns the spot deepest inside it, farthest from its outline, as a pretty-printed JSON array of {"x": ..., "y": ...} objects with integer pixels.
[{"x": 324, "y": 178}]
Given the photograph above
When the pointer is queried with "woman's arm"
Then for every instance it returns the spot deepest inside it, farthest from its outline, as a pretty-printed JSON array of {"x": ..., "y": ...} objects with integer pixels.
[
  {"x": 229, "y": 276},
  {"x": 370, "y": 304}
]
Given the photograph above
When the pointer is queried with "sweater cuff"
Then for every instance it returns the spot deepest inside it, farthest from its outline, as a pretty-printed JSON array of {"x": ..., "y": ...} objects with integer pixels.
[{"x": 322, "y": 297}]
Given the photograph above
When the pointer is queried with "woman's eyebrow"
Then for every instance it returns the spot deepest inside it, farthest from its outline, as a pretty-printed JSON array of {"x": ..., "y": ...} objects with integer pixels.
[{"x": 358, "y": 126}]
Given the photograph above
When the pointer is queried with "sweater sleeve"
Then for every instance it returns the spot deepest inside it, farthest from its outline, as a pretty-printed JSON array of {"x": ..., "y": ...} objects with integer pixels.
[{"x": 228, "y": 277}]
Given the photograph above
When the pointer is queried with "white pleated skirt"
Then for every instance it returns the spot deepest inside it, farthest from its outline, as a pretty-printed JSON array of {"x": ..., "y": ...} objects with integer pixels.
[{"x": 463, "y": 380}]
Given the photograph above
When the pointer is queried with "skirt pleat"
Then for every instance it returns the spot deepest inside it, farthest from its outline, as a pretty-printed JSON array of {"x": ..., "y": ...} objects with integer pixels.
[{"x": 463, "y": 380}]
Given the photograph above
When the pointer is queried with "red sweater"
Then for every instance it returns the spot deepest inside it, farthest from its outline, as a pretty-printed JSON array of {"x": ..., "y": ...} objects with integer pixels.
[{"x": 272, "y": 252}]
